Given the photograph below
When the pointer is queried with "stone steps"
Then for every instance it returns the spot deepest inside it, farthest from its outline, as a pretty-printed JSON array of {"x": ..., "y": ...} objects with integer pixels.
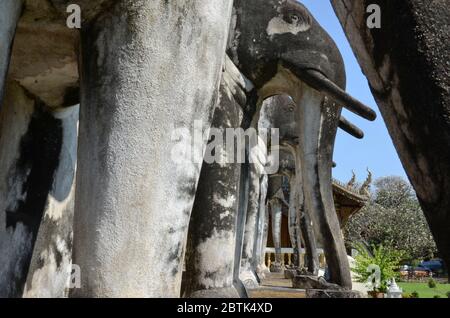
[
  {"x": 276, "y": 292},
  {"x": 274, "y": 285}
]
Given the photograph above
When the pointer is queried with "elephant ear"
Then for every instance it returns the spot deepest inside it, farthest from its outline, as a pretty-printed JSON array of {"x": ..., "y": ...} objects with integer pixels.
[{"x": 296, "y": 14}]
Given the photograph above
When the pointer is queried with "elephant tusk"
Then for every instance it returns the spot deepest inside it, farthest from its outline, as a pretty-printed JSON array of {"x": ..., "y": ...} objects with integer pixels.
[
  {"x": 350, "y": 128},
  {"x": 320, "y": 82}
]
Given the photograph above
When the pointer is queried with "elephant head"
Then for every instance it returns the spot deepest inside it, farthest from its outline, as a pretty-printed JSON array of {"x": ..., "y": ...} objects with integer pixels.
[
  {"x": 272, "y": 41},
  {"x": 282, "y": 49}
]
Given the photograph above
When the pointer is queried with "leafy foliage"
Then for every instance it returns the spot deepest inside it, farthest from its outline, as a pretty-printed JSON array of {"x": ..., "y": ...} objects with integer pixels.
[
  {"x": 394, "y": 219},
  {"x": 385, "y": 259},
  {"x": 431, "y": 283}
]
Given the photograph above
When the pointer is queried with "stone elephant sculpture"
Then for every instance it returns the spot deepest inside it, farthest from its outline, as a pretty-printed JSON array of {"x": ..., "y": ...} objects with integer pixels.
[
  {"x": 281, "y": 109},
  {"x": 206, "y": 275},
  {"x": 283, "y": 50},
  {"x": 132, "y": 200}
]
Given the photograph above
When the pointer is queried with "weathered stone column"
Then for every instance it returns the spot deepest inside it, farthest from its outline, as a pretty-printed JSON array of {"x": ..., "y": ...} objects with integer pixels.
[
  {"x": 37, "y": 169},
  {"x": 9, "y": 16},
  {"x": 212, "y": 228},
  {"x": 148, "y": 68}
]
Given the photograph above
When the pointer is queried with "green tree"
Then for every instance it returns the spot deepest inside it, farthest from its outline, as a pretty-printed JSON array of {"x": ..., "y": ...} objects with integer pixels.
[
  {"x": 379, "y": 259},
  {"x": 393, "y": 218}
]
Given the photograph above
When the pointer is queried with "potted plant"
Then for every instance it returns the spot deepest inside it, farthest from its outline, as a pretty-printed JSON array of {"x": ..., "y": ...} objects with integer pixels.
[{"x": 376, "y": 267}]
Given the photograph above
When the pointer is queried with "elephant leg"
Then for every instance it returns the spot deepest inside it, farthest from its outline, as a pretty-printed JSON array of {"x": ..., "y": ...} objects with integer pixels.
[
  {"x": 212, "y": 229},
  {"x": 264, "y": 269},
  {"x": 247, "y": 275},
  {"x": 294, "y": 222},
  {"x": 50, "y": 267},
  {"x": 318, "y": 126},
  {"x": 37, "y": 168},
  {"x": 261, "y": 237},
  {"x": 309, "y": 239},
  {"x": 143, "y": 76},
  {"x": 276, "y": 234},
  {"x": 9, "y": 16}
]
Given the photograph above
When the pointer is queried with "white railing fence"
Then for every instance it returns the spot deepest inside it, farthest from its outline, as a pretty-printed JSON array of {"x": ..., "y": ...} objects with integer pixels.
[{"x": 287, "y": 256}]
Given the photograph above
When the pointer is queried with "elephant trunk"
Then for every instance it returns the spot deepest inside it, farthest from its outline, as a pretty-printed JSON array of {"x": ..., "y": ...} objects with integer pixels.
[
  {"x": 318, "y": 122},
  {"x": 320, "y": 82},
  {"x": 306, "y": 229}
]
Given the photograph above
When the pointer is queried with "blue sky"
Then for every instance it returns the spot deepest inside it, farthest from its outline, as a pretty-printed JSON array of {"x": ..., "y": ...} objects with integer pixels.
[{"x": 376, "y": 150}]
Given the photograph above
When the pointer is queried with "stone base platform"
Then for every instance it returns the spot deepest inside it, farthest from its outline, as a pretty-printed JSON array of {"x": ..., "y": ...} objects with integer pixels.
[
  {"x": 324, "y": 293},
  {"x": 275, "y": 285}
]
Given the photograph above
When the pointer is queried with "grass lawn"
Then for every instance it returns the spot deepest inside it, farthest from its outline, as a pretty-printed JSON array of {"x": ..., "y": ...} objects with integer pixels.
[{"x": 425, "y": 291}]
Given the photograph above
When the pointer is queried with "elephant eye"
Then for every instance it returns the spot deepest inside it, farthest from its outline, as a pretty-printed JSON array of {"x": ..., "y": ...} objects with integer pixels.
[
  {"x": 290, "y": 108},
  {"x": 294, "y": 18}
]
